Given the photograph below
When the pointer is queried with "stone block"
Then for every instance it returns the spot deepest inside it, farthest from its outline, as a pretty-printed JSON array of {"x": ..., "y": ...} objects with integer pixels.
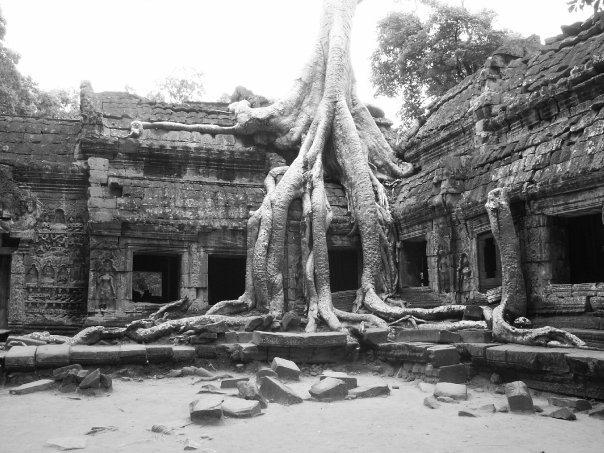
[
  {"x": 36, "y": 386},
  {"x": 206, "y": 351},
  {"x": 159, "y": 353},
  {"x": 95, "y": 355},
  {"x": 375, "y": 335},
  {"x": 404, "y": 351},
  {"x": 231, "y": 383},
  {"x": 241, "y": 408},
  {"x": 598, "y": 412},
  {"x": 92, "y": 380},
  {"x": 329, "y": 389},
  {"x": 371, "y": 391},
  {"x": 456, "y": 374},
  {"x": 450, "y": 390},
  {"x": 475, "y": 336},
  {"x": 299, "y": 340},
  {"x": 563, "y": 413},
  {"x": 250, "y": 352},
  {"x": 350, "y": 381},
  {"x": 20, "y": 358},
  {"x": 183, "y": 353},
  {"x": 264, "y": 372},
  {"x": 60, "y": 373},
  {"x": 431, "y": 402},
  {"x": 449, "y": 337},
  {"x": 576, "y": 404},
  {"x": 133, "y": 353},
  {"x": 519, "y": 398},
  {"x": 51, "y": 356},
  {"x": 418, "y": 335},
  {"x": 277, "y": 392},
  {"x": 443, "y": 355},
  {"x": 238, "y": 337},
  {"x": 286, "y": 369},
  {"x": 588, "y": 363},
  {"x": 249, "y": 391},
  {"x": 207, "y": 410}
]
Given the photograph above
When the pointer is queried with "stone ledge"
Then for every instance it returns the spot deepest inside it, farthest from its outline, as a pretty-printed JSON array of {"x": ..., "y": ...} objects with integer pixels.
[{"x": 297, "y": 340}]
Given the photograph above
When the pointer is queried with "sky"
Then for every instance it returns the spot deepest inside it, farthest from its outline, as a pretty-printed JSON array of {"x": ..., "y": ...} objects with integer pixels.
[{"x": 260, "y": 44}]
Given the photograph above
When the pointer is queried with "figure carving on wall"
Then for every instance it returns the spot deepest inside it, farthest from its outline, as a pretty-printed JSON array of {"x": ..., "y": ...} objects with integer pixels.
[
  {"x": 77, "y": 271},
  {"x": 48, "y": 273},
  {"x": 32, "y": 275},
  {"x": 105, "y": 289},
  {"x": 59, "y": 216},
  {"x": 63, "y": 275}
]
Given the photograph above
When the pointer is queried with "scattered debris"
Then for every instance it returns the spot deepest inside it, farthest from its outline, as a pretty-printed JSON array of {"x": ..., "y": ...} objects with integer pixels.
[
  {"x": 60, "y": 373},
  {"x": 455, "y": 391},
  {"x": 100, "y": 429},
  {"x": 191, "y": 445},
  {"x": 210, "y": 388},
  {"x": 265, "y": 371},
  {"x": 277, "y": 392},
  {"x": 249, "y": 391},
  {"x": 36, "y": 386},
  {"x": 92, "y": 380},
  {"x": 431, "y": 402},
  {"x": 488, "y": 408},
  {"x": 426, "y": 388},
  {"x": 446, "y": 399},
  {"x": 563, "y": 413},
  {"x": 350, "y": 381},
  {"x": 232, "y": 382},
  {"x": 161, "y": 429},
  {"x": 576, "y": 404},
  {"x": 598, "y": 412},
  {"x": 370, "y": 391},
  {"x": 206, "y": 410},
  {"x": 240, "y": 408},
  {"x": 329, "y": 389},
  {"x": 466, "y": 413}
]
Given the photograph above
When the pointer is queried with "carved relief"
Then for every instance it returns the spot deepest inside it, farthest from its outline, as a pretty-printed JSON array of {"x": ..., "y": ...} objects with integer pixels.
[
  {"x": 105, "y": 288},
  {"x": 32, "y": 276},
  {"x": 48, "y": 274}
]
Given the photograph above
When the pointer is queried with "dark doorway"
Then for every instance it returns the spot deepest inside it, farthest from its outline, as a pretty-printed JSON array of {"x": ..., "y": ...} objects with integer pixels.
[
  {"x": 226, "y": 277},
  {"x": 5, "y": 261},
  {"x": 489, "y": 262},
  {"x": 414, "y": 267},
  {"x": 586, "y": 249},
  {"x": 343, "y": 270},
  {"x": 155, "y": 278}
]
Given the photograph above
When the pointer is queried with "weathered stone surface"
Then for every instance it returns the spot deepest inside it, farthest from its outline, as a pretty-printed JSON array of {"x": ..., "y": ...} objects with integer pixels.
[
  {"x": 375, "y": 335},
  {"x": 250, "y": 391},
  {"x": 92, "y": 380},
  {"x": 426, "y": 388},
  {"x": 563, "y": 413},
  {"x": 60, "y": 373},
  {"x": 50, "y": 356},
  {"x": 290, "y": 321},
  {"x": 299, "y": 340},
  {"x": 329, "y": 389},
  {"x": 447, "y": 399},
  {"x": 183, "y": 353},
  {"x": 241, "y": 408},
  {"x": 473, "y": 312},
  {"x": 159, "y": 353},
  {"x": 264, "y": 372},
  {"x": 106, "y": 381},
  {"x": 21, "y": 358},
  {"x": 132, "y": 353},
  {"x": 443, "y": 355},
  {"x": 95, "y": 355},
  {"x": 466, "y": 413},
  {"x": 530, "y": 358},
  {"x": 456, "y": 374},
  {"x": 431, "y": 402},
  {"x": 238, "y": 337},
  {"x": 277, "y": 392},
  {"x": 370, "y": 391},
  {"x": 519, "y": 398},
  {"x": 206, "y": 410},
  {"x": 285, "y": 369},
  {"x": 447, "y": 389},
  {"x": 488, "y": 408},
  {"x": 404, "y": 351},
  {"x": 36, "y": 386},
  {"x": 231, "y": 383},
  {"x": 598, "y": 412},
  {"x": 576, "y": 404},
  {"x": 475, "y": 336},
  {"x": 350, "y": 381}
]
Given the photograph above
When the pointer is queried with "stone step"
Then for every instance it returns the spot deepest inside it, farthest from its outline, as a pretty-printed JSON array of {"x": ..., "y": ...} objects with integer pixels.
[
  {"x": 436, "y": 354},
  {"x": 442, "y": 336}
]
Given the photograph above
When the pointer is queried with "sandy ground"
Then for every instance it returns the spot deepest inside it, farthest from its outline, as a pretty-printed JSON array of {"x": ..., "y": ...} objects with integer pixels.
[{"x": 396, "y": 423}]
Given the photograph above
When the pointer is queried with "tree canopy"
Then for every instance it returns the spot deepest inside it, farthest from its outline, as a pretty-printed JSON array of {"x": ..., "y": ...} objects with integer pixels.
[
  {"x": 20, "y": 95},
  {"x": 419, "y": 59},
  {"x": 576, "y": 5},
  {"x": 184, "y": 85}
]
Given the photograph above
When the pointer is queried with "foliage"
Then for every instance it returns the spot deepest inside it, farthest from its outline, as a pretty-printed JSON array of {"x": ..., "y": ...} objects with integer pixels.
[
  {"x": 20, "y": 95},
  {"x": 185, "y": 85},
  {"x": 420, "y": 59},
  {"x": 576, "y": 5}
]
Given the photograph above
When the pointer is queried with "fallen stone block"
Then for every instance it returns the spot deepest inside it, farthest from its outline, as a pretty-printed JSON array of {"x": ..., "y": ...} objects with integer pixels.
[
  {"x": 426, "y": 388},
  {"x": 447, "y": 389},
  {"x": 241, "y": 408},
  {"x": 159, "y": 353},
  {"x": 206, "y": 410},
  {"x": 51, "y": 356},
  {"x": 231, "y": 383},
  {"x": 598, "y": 412},
  {"x": 446, "y": 399},
  {"x": 60, "y": 373},
  {"x": 277, "y": 392},
  {"x": 403, "y": 352},
  {"x": 286, "y": 369},
  {"x": 36, "y": 386},
  {"x": 196, "y": 371},
  {"x": 519, "y": 398},
  {"x": 443, "y": 355},
  {"x": 563, "y": 413},
  {"x": 20, "y": 358},
  {"x": 95, "y": 355},
  {"x": 250, "y": 391},
  {"x": 330, "y": 389},
  {"x": 488, "y": 408},
  {"x": 431, "y": 402},
  {"x": 466, "y": 413},
  {"x": 375, "y": 335},
  {"x": 211, "y": 388},
  {"x": 183, "y": 353},
  {"x": 456, "y": 374},
  {"x": 370, "y": 391},
  {"x": 132, "y": 353},
  {"x": 106, "y": 382},
  {"x": 350, "y": 381},
  {"x": 576, "y": 404},
  {"x": 92, "y": 380},
  {"x": 264, "y": 372}
]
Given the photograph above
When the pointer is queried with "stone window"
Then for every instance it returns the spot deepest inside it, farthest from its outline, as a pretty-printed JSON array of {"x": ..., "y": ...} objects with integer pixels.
[
  {"x": 578, "y": 249},
  {"x": 226, "y": 277},
  {"x": 414, "y": 263},
  {"x": 155, "y": 277},
  {"x": 343, "y": 269},
  {"x": 489, "y": 262}
]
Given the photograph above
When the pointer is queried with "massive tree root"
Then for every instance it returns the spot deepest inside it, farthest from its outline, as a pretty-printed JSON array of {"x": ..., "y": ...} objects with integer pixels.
[{"x": 334, "y": 134}]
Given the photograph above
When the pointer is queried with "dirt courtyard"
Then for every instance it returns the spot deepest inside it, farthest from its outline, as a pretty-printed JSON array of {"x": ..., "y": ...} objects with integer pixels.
[{"x": 396, "y": 423}]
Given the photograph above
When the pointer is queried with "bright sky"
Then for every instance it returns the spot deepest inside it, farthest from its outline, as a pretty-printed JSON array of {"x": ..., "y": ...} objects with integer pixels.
[{"x": 260, "y": 44}]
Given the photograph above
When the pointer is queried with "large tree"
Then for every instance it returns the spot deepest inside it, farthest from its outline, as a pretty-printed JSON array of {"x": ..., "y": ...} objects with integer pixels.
[
  {"x": 420, "y": 59},
  {"x": 323, "y": 120}
]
